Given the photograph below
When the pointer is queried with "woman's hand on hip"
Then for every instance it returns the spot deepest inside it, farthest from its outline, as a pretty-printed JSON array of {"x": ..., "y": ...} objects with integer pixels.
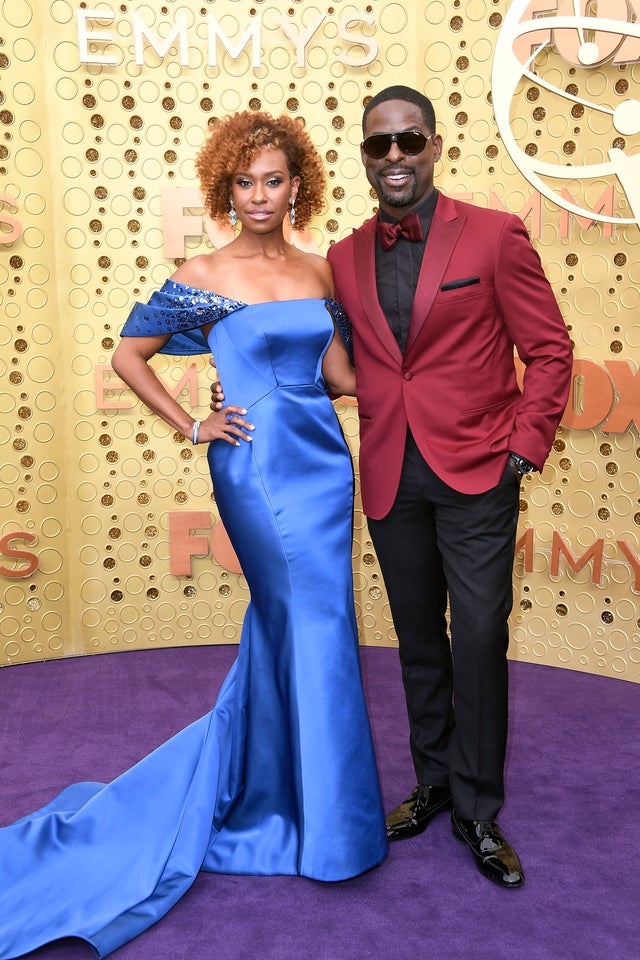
[{"x": 227, "y": 424}]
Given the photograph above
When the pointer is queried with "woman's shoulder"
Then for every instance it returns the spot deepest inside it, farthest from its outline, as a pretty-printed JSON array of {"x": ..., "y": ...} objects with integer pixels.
[
  {"x": 313, "y": 259},
  {"x": 321, "y": 268},
  {"x": 199, "y": 271}
]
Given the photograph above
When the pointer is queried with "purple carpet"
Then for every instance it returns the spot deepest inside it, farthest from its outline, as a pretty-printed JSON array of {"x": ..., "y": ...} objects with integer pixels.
[{"x": 573, "y": 788}]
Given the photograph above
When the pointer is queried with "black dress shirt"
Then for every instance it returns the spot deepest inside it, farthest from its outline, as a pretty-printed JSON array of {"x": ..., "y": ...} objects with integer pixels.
[{"x": 398, "y": 269}]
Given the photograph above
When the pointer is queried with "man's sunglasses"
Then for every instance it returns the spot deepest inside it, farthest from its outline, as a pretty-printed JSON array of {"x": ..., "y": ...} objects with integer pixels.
[{"x": 410, "y": 142}]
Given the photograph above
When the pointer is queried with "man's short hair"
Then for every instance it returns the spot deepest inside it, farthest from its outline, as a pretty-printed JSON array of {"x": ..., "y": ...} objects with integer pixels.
[{"x": 409, "y": 95}]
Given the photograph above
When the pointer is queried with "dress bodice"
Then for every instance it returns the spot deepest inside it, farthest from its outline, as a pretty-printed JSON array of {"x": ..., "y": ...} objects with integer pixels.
[{"x": 271, "y": 345}]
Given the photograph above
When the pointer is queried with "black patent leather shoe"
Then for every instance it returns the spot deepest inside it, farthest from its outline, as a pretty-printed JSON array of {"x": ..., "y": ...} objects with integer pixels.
[
  {"x": 413, "y": 816},
  {"x": 495, "y": 857}
]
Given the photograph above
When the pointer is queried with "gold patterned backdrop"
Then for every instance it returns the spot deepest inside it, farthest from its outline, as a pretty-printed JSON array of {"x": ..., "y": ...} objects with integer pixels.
[{"x": 109, "y": 537}]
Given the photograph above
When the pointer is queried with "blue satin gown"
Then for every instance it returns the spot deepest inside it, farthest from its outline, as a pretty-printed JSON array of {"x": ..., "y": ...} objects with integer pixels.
[{"x": 280, "y": 777}]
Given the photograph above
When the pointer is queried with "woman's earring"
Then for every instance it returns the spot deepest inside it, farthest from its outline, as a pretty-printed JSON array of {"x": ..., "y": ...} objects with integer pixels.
[
  {"x": 233, "y": 216},
  {"x": 292, "y": 212}
]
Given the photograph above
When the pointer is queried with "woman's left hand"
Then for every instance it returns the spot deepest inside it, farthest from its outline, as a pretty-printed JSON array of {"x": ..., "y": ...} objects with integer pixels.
[{"x": 227, "y": 424}]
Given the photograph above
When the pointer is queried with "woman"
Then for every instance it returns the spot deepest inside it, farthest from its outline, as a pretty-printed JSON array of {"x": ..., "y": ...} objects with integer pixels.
[{"x": 280, "y": 777}]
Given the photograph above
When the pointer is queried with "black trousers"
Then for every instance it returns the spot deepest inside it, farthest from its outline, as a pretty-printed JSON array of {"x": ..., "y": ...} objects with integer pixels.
[{"x": 438, "y": 545}]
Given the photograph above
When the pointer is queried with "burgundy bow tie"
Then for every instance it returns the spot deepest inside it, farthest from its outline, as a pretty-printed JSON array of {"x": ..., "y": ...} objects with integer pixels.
[{"x": 389, "y": 233}]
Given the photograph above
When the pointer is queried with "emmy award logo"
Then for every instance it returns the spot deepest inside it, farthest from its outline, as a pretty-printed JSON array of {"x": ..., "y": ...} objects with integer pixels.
[{"x": 567, "y": 59}]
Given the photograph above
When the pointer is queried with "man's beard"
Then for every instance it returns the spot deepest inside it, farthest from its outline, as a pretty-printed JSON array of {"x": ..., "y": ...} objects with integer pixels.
[{"x": 397, "y": 199}]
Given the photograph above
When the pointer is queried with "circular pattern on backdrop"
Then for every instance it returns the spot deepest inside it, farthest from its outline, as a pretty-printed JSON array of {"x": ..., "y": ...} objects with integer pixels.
[{"x": 121, "y": 136}]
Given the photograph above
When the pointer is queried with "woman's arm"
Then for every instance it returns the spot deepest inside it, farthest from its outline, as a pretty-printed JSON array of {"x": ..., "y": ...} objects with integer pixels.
[
  {"x": 337, "y": 369},
  {"x": 130, "y": 362}
]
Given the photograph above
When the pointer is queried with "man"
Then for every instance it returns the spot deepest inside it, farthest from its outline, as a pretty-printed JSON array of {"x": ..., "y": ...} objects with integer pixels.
[{"x": 439, "y": 293}]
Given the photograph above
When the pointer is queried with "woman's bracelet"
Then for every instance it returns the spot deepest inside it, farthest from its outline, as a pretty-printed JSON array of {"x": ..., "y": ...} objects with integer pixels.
[{"x": 195, "y": 430}]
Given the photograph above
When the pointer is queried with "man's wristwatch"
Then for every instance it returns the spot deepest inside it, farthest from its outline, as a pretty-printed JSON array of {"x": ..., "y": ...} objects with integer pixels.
[{"x": 521, "y": 465}]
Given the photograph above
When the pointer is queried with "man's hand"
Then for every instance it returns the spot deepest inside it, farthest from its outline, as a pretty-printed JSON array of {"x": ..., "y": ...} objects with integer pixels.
[{"x": 217, "y": 395}]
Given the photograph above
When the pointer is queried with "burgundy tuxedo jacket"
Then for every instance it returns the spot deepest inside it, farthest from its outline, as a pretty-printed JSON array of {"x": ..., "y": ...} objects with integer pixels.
[{"x": 481, "y": 292}]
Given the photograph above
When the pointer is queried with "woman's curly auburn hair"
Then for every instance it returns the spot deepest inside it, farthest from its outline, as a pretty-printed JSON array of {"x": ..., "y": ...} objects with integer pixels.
[{"x": 233, "y": 143}]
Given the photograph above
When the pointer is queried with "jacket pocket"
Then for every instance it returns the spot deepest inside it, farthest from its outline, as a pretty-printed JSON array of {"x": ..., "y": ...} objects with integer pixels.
[{"x": 491, "y": 405}]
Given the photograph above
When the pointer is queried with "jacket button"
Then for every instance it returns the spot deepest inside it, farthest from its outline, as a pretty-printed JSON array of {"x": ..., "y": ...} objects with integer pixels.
[{"x": 407, "y": 375}]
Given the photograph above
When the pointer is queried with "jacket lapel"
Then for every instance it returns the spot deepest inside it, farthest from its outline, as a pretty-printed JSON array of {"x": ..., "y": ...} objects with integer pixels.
[
  {"x": 445, "y": 229},
  {"x": 364, "y": 241}
]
